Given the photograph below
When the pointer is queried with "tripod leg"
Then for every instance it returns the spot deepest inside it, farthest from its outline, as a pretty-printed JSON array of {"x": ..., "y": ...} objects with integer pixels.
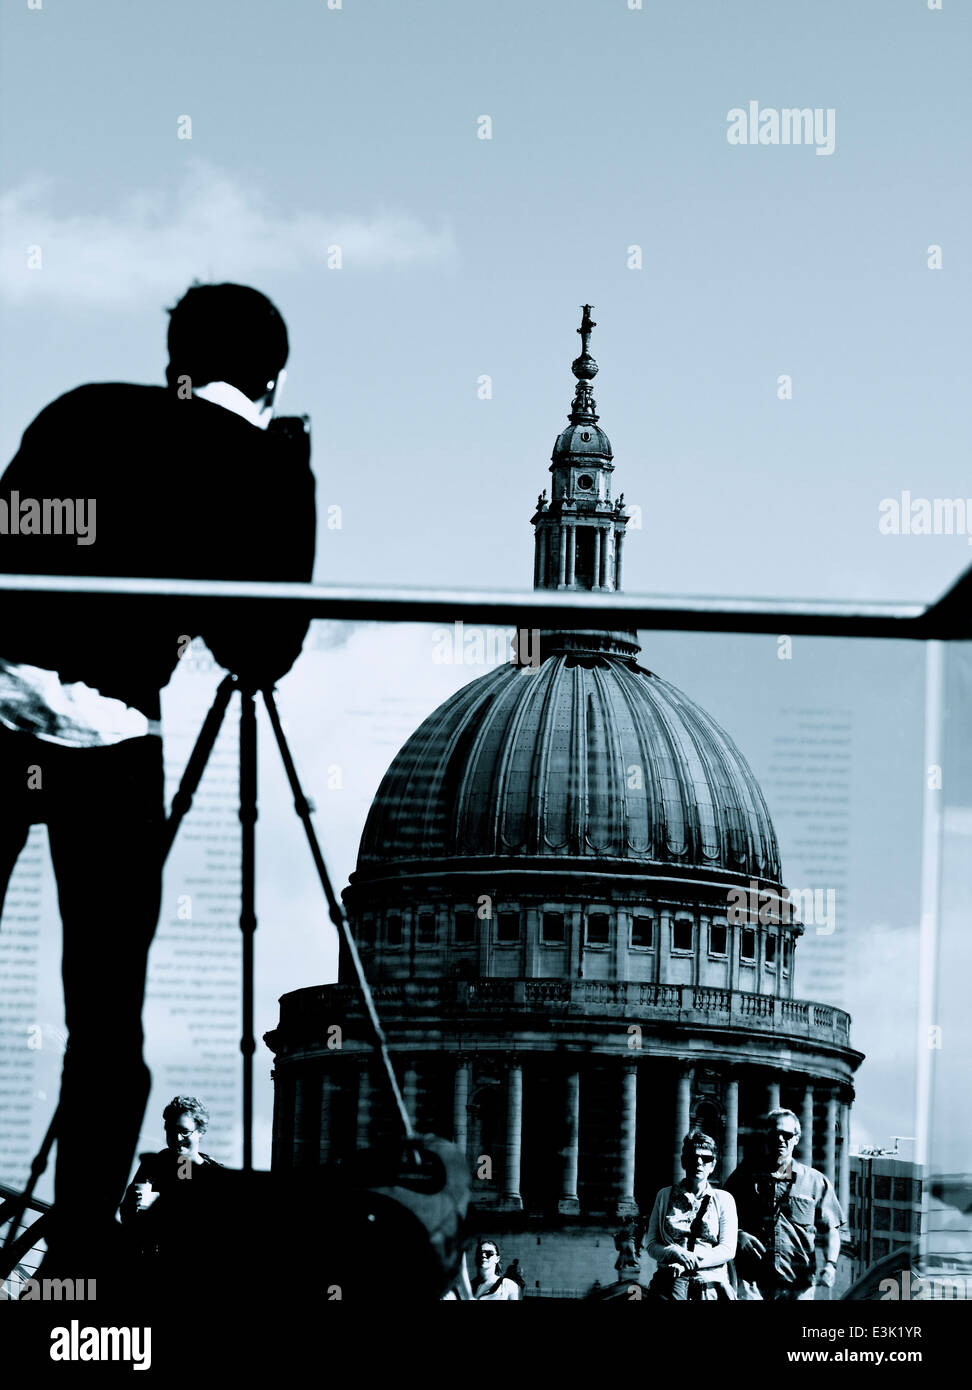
[
  {"x": 196, "y": 765},
  {"x": 338, "y": 915},
  {"x": 248, "y": 818}
]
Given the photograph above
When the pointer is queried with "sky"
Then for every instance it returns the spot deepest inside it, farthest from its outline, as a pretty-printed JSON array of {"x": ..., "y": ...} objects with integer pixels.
[{"x": 465, "y": 258}]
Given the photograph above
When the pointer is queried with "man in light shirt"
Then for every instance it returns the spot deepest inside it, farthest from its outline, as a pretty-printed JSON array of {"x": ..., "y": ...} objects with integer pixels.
[
  {"x": 783, "y": 1207},
  {"x": 185, "y": 480}
]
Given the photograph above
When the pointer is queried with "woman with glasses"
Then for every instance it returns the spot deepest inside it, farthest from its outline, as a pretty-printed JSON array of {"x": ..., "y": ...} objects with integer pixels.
[
  {"x": 692, "y": 1230},
  {"x": 486, "y": 1281}
]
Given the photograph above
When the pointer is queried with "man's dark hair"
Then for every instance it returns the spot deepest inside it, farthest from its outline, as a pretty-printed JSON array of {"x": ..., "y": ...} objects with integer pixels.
[{"x": 227, "y": 333}]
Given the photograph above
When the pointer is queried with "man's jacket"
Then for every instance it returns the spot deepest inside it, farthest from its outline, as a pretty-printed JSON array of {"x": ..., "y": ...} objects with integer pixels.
[
  {"x": 785, "y": 1215},
  {"x": 182, "y": 489}
]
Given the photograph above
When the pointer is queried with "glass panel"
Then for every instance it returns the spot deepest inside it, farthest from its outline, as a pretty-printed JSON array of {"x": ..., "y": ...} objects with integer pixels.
[{"x": 832, "y": 746}]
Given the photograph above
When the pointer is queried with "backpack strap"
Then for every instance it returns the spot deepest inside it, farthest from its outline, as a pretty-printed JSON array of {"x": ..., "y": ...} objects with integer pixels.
[{"x": 695, "y": 1230}]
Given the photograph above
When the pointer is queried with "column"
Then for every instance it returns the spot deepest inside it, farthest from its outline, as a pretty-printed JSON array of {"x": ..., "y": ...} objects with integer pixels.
[
  {"x": 474, "y": 1143},
  {"x": 806, "y": 1127},
  {"x": 622, "y": 938},
  {"x": 843, "y": 1171},
  {"x": 569, "y": 1204},
  {"x": 597, "y": 558},
  {"x": 276, "y": 1153},
  {"x": 300, "y": 1134},
  {"x": 773, "y": 1095},
  {"x": 364, "y": 1107},
  {"x": 325, "y": 1131},
  {"x": 531, "y": 964},
  {"x": 410, "y": 1084},
  {"x": 511, "y": 1199},
  {"x": 537, "y": 562},
  {"x": 563, "y": 555},
  {"x": 683, "y": 1111},
  {"x": 663, "y": 954},
  {"x": 484, "y": 936},
  {"x": 571, "y": 554},
  {"x": 830, "y": 1140},
  {"x": 460, "y": 1106},
  {"x": 285, "y": 1080},
  {"x": 627, "y": 1206},
  {"x": 619, "y": 537},
  {"x": 730, "y": 1151},
  {"x": 574, "y": 926},
  {"x": 734, "y": 941}
]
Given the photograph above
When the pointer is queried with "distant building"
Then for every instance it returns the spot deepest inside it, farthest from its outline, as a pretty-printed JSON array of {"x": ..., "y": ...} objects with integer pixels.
[
  {"x": 809, "y": 785},
  {"x": 885, "y": 1207},
  {"x": 547, "y": 903}
]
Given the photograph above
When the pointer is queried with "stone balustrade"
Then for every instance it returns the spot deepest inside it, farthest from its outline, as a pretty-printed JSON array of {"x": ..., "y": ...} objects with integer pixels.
[{"x": 638, "y": 1002}]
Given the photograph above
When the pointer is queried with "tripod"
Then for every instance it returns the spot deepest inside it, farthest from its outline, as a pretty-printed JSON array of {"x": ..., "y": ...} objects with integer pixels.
[{"x": 14, "y": 1209}]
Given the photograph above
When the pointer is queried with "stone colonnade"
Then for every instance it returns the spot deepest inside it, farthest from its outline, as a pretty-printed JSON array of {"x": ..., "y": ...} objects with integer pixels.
[
  {"x": 314, "y": 1148},
  {"x": 555, "y": 561}
]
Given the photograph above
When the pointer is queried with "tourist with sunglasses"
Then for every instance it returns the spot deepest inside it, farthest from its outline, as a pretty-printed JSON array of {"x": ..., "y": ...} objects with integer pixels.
[
  {"x": 692, "y": 1231},
  {"x": 486, "y": 1281},
  {"x": 782, "y": 1206}
]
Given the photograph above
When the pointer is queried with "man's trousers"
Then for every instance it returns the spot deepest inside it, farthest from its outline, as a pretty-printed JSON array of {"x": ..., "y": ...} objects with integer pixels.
[{"x": 104, "y": 811}]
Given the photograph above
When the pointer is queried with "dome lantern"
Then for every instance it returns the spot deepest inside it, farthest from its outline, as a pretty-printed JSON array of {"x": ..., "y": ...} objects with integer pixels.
[{"x": 579, "y": 532}]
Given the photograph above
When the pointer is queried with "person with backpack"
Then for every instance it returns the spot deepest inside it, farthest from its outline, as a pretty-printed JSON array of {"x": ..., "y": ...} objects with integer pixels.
[{"x": 692, "y": 1231}]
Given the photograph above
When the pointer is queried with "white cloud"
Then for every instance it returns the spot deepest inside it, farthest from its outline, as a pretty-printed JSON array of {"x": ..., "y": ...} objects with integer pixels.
[{"x": 210, "y": 227}]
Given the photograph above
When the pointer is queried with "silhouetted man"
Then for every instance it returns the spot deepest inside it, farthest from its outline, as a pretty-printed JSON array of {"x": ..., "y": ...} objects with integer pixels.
[{"x": 178, "y": 481}]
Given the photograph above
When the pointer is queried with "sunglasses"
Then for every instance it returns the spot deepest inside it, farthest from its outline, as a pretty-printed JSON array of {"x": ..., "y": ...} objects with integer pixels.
[
  {"x": 487, "y": 1254},
  {"x": 786, "y": 1134}
]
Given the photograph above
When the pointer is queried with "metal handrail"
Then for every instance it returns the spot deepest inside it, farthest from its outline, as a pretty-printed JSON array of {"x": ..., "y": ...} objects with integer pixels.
[
  {"x": 9, "y": 1195},
  {"x": 948, "y": 618}
]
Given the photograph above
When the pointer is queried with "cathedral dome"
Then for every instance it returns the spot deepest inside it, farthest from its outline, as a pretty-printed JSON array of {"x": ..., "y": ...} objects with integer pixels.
[
  {"x": 584, "y": 761},
  {"x": 587, "y": 757}
]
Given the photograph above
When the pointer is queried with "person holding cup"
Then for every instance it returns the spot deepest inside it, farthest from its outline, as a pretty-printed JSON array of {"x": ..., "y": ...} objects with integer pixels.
[{"x": 171, "y": 1187}]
